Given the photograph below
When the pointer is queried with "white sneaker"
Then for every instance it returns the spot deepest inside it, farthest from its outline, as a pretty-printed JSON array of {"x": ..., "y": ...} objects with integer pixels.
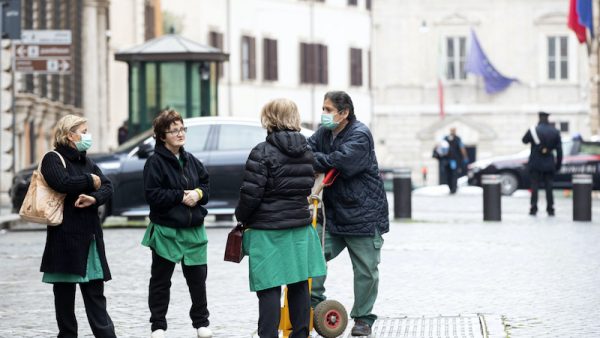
[
  {"x": 160, "y": 333},
  {"x": 204, "y": 332}
]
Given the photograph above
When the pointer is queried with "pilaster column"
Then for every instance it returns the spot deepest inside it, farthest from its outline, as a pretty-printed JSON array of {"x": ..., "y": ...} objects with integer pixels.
[{"x": 90, "y": 67}]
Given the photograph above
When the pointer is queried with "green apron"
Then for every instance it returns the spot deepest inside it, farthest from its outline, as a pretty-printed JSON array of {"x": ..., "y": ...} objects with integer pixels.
[
  {"x": 281, "y": 257},
  {"x": 93, "y": 270},
  {"x": 175, "y": 244}
]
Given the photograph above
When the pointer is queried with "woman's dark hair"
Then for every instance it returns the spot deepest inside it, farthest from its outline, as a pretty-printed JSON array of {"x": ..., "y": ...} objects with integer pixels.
[
  {"x": 342, "y": 101},
  {"x": 163, "y": 121}
]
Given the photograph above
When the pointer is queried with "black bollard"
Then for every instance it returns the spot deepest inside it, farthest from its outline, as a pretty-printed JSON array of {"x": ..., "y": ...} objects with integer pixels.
[
  {"x": 492, "y": 198},
  {"x": 582, "y": 197},
  {"x": 402, "y": 193}
]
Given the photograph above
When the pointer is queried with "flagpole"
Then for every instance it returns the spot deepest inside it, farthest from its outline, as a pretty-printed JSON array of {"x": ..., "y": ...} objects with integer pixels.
[{"x": 440, "y": 83}]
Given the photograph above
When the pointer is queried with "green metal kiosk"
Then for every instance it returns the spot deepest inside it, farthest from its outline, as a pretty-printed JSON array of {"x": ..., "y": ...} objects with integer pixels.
[{"x": 171, "y": 71}]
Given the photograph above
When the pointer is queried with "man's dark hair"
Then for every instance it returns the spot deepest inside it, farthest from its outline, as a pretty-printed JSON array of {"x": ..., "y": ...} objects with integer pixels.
[
  {"x": 342, "y": 101},
  {"x": 163, "y": 122}
]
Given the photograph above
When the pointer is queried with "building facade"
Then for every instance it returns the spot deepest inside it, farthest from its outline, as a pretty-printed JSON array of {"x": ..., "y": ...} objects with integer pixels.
[
  {"x": 420, "y": 43},
  {"x": 41, "y": 99},
  {"x": 297, "y": 49}
]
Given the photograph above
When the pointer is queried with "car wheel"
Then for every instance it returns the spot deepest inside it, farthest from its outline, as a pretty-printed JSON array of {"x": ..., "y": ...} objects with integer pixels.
[
  {"x": 102, "y": 213},
  {"x": 508, "y": 183}
]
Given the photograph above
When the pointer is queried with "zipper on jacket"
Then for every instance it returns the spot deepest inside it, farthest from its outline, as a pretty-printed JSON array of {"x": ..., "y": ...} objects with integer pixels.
[{"x": 188, "y": 208}]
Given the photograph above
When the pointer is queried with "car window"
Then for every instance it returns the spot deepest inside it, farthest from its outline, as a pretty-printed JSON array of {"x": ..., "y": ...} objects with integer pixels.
[
  {"x": 195, "y": 139},
  {"x": 590, "y": 148},
  {"x": 240, "y": 137},
  {"x": 133, "y": 142},
  {"x": 567, "y": 148}
]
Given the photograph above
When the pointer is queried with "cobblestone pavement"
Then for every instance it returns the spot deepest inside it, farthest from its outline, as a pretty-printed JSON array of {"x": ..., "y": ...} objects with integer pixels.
[{"x": 540, "y": 275}]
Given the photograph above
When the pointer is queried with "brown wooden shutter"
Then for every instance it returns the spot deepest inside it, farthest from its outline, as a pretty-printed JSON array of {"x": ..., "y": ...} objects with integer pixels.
[
  {"x": 303, "y": 70},
  {"x": 355, "y": 67},
  {"x": 325, "y": 68},
  {"x": 312, "y": 63},
  {"x": 252, "y": 58},
  {"x": 265, "y": 59},
  {"x": 215, "y": 39},
  {"x": 273, "y": 53}
]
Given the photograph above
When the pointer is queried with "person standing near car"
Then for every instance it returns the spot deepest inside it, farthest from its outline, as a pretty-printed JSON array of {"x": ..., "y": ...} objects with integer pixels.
[
  {"x": 545, "y": 140},
  {"x": 282, "y": 245},
  {"x": 355, "y": 204},
  {"x": 176, "y": 186},
  {"x": 74, "y": 252},
  {"x": 454, "y": 160}
]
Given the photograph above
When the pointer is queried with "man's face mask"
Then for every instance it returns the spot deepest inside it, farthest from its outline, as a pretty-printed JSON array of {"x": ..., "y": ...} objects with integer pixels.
[{"x": 328, "y": 122}]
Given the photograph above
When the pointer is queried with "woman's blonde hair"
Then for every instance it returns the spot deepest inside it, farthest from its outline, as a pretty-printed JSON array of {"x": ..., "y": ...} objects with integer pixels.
[
  {"x": 67, "y": 124},
  {"x": 280, "y": 114}
]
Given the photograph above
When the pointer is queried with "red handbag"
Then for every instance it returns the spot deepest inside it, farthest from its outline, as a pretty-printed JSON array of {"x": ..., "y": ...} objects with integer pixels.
[{"x": 233, "y": 248}]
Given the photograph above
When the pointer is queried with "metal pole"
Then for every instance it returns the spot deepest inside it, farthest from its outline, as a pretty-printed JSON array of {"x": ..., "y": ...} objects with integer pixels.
[
  {"x": 402, "y": 193},
  {"x": 1, "y": 89},
  {"x": 582, "y": 197},
  {"x": 492, "y": 198}
]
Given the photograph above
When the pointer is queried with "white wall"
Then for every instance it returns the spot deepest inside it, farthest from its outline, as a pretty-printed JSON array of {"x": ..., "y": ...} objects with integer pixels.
[
  {"x": 407, "y": 44},
  {"x": 126, "y": 30},
  {"x": 335, "y": 24}
]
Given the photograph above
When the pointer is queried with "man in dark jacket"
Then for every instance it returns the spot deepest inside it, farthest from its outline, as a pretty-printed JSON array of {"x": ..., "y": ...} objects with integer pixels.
[
  {"x": 455, "y": 159},
  {"x": 355, "y": 204},
  {"x": 544, "y": 139}
]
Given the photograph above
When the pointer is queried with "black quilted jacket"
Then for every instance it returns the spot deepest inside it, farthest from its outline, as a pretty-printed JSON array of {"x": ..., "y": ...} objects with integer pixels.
[
  {"x": 355, "y": 203},
  {"x": 277, "y": 182}
]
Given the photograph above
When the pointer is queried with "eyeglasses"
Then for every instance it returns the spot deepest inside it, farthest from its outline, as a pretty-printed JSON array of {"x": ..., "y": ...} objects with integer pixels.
[{"x": 177, "y": 131}]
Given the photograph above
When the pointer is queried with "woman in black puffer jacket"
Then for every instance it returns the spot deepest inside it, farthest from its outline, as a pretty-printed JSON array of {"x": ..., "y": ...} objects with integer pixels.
[{"x": 282, "y": 246}]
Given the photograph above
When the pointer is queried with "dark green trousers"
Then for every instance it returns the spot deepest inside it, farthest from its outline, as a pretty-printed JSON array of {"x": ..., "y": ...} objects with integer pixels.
[{"x": 365, "y": 253}]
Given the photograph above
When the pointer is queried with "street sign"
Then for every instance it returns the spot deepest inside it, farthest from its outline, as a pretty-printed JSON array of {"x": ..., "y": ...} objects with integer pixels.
[
  {"x": 52, "y": 37},
  {"x": 48, "y": 66},
  {"x": 11, "y": 19},
  {"x": 43, "y": 52}
]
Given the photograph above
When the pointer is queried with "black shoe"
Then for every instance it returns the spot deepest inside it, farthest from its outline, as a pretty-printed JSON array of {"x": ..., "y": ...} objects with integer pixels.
[
  {"x": 551, "y": 213},
  {"x": 361, "y": 328},
  {"x": 532, "y": 211}
]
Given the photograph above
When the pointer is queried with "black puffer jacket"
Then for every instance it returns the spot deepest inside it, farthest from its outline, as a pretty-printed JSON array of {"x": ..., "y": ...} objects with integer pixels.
[
  {"x": 277, "y": 182},
  {"x": 67, "y": 245},
  {"x": 355, "y": 203},
  {"x": 164, "y": 183}
]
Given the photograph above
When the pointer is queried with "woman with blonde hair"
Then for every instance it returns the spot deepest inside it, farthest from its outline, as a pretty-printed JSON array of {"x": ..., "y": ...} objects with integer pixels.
[
  {"x": 74, "y": 252},
  {"x": 282, "y": 245}
]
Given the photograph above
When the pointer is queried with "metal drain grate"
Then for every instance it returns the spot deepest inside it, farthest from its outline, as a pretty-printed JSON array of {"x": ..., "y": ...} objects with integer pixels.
[{"x": 463, "y": 326}]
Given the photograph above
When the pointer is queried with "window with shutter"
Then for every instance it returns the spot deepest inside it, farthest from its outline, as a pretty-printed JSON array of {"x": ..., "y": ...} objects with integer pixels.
[
  {"x": 313, "y": 63},
  {"x": 215, "y": 39},
  {"x": 355, "y": 67},
  {"x": 248, "y": 67},
  {"x": 270, "y": 60}
]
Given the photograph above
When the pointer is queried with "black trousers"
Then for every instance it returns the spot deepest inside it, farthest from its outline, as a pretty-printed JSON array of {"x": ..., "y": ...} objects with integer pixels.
[
  {"x": 159, "y": 292},
  {"x": 451, "y": 177},
  {"x": 269, "y": 310},
  {"x": 536, "y": 178},
  {"x": 95, "y": 308}
]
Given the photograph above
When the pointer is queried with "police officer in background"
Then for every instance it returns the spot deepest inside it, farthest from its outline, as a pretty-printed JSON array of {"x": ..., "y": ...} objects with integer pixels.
[{"x": 544, "y": 139}]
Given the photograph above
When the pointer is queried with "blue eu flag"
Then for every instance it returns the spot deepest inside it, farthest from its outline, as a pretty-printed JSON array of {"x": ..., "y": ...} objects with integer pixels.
[{"x": 477, "y": 63}]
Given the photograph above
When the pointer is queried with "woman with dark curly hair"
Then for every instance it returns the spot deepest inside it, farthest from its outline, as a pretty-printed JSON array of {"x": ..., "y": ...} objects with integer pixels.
[{"x": 176, "y": 187}]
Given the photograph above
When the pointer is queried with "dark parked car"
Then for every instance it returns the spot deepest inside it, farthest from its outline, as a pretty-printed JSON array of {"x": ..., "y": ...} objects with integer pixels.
[
  {"x": 579, "y": 157},
  {"x": 222, "y": 144}
]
